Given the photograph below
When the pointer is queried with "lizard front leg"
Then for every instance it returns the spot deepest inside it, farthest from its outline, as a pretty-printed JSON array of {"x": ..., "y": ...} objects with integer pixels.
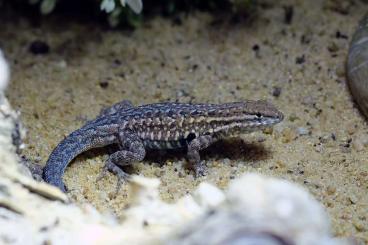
[
  {"x": 132, "y": 149},
  {"x": 194, "y": 158}
]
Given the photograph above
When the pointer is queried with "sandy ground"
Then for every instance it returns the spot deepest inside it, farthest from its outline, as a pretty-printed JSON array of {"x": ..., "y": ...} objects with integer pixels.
[{"x": 320, "y": 145}]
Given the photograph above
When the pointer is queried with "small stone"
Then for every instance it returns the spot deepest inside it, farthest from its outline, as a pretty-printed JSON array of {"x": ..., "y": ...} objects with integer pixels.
[
  {"x": 363, "y": 174},
  {"x": 306, "y": 38},
  {"x": 351, "y": 129},
  {"x": 358, "y": 145},
  {"x": 309, "y": 101},
  {"x": 104, "y": 84},
  {"x": 62, "y": 64},
  {"x": 324, "y": 139},
  {"x": 288, "y": 135},
  {"x": 333, "y": 136},
  {"x": 345, "y": 148},
  {"x": 261, "y": 139},
  {"x": 333, "y": 47},
  {"x": 215, "y": 164},
  {"x": 331, "y": 190},
  {"x": 293, "y": 117},
  {"x": 157, "y": 173},
  {"x": 319, "y": 148},
  {"x": 226, "y": 161},
  {"x": 330, "y": 204},
  {"x": 208, "y": 195},
  {"x": 276, "y": 92},
  {"x": 353, "y": 199},
  {"x": 181, "y": 174},
  {"x": 268, "y": 130},
  {"x": 280, "y": 164},
  {"x": 300, "y": 59},
  {"x": 359, "y": 225},
  {"x": 39, "y": 47},
  {"x": 302, "y": 131},
  {"x": 340, "y": 70},
  {"x": 360, "y": 142}
]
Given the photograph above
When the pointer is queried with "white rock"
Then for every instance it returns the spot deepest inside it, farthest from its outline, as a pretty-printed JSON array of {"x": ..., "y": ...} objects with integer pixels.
[
  {"x": 208, "y": 196},
  {"x": 4, "y": 72}
]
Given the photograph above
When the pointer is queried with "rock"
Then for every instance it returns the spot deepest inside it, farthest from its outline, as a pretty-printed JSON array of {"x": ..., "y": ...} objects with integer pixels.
[
  {"x": 288, "y": 135},
  {"x": 360, "y": 142},
  {"x": 4, "y": 73},
  {"x": 260, "y": 210},
  {"x": 302, "y": 131}
]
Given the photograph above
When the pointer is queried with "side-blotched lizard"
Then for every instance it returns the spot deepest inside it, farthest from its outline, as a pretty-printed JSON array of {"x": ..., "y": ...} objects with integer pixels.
[{"x": 159, "y": 126}]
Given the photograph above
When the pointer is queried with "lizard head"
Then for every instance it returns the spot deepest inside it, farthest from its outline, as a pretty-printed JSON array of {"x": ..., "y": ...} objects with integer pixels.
[
  {"x": 260, "y": 113},
  {"x": 247, "y": 116}
]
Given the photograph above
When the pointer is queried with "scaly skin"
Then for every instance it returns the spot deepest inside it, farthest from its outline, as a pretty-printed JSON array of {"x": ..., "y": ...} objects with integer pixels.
[{"x": 159, "y": 126}]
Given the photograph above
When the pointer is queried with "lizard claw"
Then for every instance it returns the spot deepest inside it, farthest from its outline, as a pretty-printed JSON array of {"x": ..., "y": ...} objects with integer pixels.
[
  {"x": 120, "y": 174},
  {"x": 200, "y": 169},
  {"x": 103, "y": 173}
]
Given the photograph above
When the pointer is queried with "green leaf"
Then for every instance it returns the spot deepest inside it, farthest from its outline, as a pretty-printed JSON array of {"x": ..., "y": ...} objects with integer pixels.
[
  {"x": 108, "y": 5},
  {"x": 47, "y": 6},
  {"x": 135, "y": 5}
]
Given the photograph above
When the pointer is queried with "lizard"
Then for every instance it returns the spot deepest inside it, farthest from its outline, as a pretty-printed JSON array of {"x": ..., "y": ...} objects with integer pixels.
[{"x": 158, "y": 126}]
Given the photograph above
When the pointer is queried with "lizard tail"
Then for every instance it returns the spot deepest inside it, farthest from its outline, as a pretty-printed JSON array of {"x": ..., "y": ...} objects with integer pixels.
[{"x": 62, "y": 155}]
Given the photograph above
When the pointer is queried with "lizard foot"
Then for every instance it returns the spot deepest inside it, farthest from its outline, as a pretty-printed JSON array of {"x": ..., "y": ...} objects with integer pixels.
[
  {"x": 200, "y": 169},
  {"x": 120, "y": 174}
]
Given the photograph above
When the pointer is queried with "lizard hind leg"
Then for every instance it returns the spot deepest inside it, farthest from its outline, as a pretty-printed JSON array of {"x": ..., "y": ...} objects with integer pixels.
[{"x": 132, "y": 149}]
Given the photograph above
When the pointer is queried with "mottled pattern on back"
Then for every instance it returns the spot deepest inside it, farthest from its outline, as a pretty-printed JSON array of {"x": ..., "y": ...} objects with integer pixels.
[
  {"x": 159, "y": 126},
  {"x": 173, "y": 122}
]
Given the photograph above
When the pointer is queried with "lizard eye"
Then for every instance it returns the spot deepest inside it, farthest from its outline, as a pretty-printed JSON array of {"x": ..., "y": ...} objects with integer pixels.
[{"x": 259, "y": 115}]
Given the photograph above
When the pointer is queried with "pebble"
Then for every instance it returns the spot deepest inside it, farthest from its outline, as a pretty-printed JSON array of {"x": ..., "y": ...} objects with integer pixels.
[
  {"x": 62, "y": 64},
  {"x": 353, "y": 199},
  {"x": 330, "y": 204},
  {"x": 351, "y": 128},
  {"x": 308, "y": 101},
  {"x": 333, "y": 47},
  {"x": 319, "y": 148},
  {"x": 293, "y": 117},
  {"x": 104, "y": 84},
  {"x": 302, "y": 131},
  {"x": 268, "y": 130},
  {"x": 345, "y": 148},
  {"x": 288, "y": 135},
  {"x": 340, "y": 70},
  {"x": 300, "y": 59},
  {"x": 280, "y": 164},
  {"x": 276, "y": 92},
  {"x": 261, "y": 139},
  {"x": 359, "y": 225},
  {"x": 4, "y": 72},
  {"x": 157, "y": 173},
  {"x": 324, "y": 139},
  {"x": 331, "y": 190},
  {"x": 358, "y": 145},
  {"x": 360, "y": 142}
]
